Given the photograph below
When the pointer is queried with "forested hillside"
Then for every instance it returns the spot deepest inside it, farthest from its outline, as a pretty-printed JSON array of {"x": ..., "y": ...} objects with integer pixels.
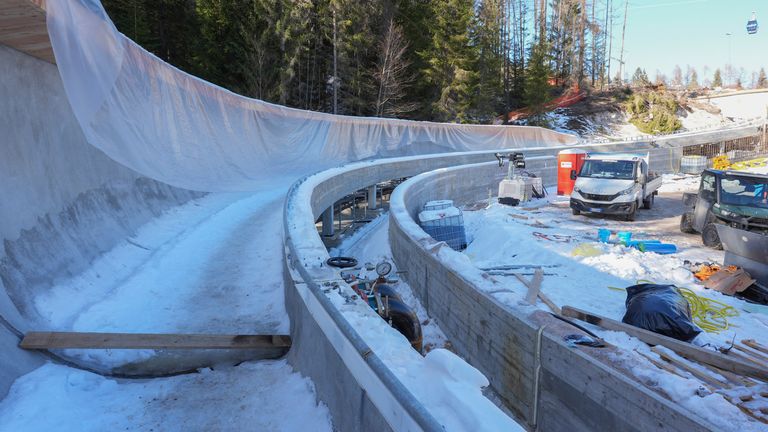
[{"x": 444, "y": 60}]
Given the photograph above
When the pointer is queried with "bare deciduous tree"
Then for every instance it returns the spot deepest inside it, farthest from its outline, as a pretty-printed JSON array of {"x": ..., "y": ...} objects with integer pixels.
[{"x": 392, "y": 74}]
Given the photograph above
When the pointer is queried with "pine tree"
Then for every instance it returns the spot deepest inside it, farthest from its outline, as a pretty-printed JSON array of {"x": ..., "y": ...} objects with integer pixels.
[
  {"x": 640, "y": 78},
  {"x": 451, "y": 60},
  {"x": 693, "y": 80},
  {"x": 537, "y": 80},
  {"x": 717, "y": 80},
  {"x": 415, "y": 18},
  {"x": 486, "y": 38},
  {"x": 762, "y": 81},
  {"x": 167, "y": 28}
]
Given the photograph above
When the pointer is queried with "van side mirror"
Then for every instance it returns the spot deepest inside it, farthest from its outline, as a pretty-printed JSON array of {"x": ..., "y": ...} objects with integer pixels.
[{"x": 573, "y": 175}]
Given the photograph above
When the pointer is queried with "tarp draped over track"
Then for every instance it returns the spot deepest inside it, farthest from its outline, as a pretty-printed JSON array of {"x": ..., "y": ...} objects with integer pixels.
[{"x": 173, "y": 127}]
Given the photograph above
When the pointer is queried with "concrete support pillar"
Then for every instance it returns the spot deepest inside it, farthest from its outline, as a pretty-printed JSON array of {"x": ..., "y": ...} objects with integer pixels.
[
  {"x": 372, "y": 202},
  {"x": 328, "y": 222}
]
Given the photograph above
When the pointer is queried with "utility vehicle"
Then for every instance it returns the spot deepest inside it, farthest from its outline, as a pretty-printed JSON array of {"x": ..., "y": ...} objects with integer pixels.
[
  {"x": 734, "y": 198},
  {"x": 615, "y": 184}
]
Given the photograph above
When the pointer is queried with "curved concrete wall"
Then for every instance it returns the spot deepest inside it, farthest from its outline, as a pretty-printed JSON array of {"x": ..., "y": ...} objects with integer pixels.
[
  {"x": 324, "y": 341},
  {"x": 520, "y": 349},
  {"x": 63, "y": 202}
]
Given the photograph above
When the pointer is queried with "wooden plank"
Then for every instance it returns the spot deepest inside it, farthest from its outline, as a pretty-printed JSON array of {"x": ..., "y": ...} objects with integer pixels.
[
  {"x": 682, "y": 348},
  {"x": 702, "y": 376},
  {"x": 544, "y": 298},
  {"x": 23, "y": 27},
  {"x": 63, "y": 340},
  {"x": 534, "y": 287},
  {"x": 754, "y": 345},
  {"x": 751, "y": 352},
  {"x": 662, "y": 365}
]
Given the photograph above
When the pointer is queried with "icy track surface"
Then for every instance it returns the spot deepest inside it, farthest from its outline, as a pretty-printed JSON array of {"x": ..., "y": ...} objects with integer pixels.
[
  {"x": 262, "y": 396},
  {"x": 209, "y": 266}
]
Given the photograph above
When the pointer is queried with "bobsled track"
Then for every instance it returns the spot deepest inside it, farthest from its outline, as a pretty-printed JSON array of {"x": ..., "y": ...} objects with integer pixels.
[{"x": 140, "y": 209}]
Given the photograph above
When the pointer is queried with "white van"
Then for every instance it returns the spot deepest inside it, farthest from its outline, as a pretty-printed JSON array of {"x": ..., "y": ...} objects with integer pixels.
[{"x": 614, "y": 183}]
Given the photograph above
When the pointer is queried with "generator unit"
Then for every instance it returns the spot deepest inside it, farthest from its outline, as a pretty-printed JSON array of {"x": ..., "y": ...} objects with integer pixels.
[{"x": 517, "y": 188}]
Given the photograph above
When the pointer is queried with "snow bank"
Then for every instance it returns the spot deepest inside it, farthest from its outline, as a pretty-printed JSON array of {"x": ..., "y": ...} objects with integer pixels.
[{"x": 263, "y": 396}]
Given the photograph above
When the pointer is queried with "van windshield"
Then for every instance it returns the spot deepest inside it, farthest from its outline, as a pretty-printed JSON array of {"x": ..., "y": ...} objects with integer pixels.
[
  {"x": 614, "y": 169},
  {"x": 744, "y": 191}
]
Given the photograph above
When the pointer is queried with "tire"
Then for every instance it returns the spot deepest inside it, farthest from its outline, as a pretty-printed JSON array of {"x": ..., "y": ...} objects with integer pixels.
[
  {"x": 632, "y": 213},
  {"x": 648, "y": 202},
  {"x": 710, "y": 238},
  {"x": 686, "y": 223},
  {"x": 575, "y": 212}
]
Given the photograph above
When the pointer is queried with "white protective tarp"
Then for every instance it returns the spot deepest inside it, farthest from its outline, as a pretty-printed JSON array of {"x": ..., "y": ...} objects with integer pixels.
[{"x": 173, "y": 127}]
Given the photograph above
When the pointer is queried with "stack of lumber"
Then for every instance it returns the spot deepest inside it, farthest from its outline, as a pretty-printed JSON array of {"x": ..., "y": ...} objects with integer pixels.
[{"x": 739, "y": 374}]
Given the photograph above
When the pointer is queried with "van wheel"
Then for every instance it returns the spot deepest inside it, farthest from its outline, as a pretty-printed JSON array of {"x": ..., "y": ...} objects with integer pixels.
[
  {"x": 710, "y": 238},
  {"x": 648, "y": 202},
  {"x": 632, "y": 213},
  {"x": 686, "y": 223}
]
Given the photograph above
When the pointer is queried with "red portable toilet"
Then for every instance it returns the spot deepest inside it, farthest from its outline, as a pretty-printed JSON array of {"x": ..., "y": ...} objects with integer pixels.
[{"x": 567, "y": 161}]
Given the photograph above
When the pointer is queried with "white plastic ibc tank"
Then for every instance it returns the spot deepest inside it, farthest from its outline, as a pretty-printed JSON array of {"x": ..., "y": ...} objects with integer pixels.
[
  {"x": 693, "y": 164},
  {"x": 438, "y": 204},
  {"x": 446, "y": 225}
]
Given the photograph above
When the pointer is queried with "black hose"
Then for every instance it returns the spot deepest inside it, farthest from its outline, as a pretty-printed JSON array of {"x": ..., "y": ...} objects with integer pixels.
[{"x": 575, "y": 325}]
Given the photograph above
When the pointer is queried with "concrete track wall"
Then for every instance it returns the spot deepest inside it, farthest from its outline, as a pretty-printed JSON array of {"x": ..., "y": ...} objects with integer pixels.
[
  {"x": 63, "y": 202},
  {"x": 334, "y": 355},
  {"x": 549, "y": 385}
]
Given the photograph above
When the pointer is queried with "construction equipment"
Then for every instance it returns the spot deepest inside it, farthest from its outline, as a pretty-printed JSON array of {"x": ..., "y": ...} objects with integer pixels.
[
  {"x": 732, "y": 198},
  {"x": 518, "y": 187}
]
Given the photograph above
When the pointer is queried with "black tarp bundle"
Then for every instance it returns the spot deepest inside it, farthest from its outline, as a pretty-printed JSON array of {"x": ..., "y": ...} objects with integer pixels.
[{"x": 661, "y": 309}]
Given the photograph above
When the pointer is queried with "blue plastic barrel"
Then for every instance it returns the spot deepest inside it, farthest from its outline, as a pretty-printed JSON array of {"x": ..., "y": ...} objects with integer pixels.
[{"x": 636, "y": 243}]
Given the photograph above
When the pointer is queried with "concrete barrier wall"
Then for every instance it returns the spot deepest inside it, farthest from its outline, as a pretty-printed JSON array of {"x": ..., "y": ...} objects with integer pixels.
[
  {"x": 547, "y": 384},
  {"x": 324, "y": 341},
  {"x": 63, "y": 202}
]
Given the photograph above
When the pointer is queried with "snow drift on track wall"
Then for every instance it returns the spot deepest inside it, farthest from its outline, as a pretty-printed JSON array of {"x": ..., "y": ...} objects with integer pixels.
[
  {"x": 176, "y": 128},
  {"x": 62, "y": 202}
]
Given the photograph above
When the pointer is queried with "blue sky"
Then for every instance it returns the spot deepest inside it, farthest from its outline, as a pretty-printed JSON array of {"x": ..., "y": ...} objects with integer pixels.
[{"x": 663, "y": 33}]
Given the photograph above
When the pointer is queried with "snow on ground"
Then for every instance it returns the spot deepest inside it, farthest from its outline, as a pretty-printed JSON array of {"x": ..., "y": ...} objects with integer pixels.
[
  {"x": 742, "y": 105},
  {"x": 209, "y": 266},
  {"x": 611, "y": 124},
  {"x": 679, "y": 183},
  {"x": 701, "y": 119},
  {"x": 544, "y": 232},
  {"x": 256, "y": 396},
  {"x": 448, "y": 387}
]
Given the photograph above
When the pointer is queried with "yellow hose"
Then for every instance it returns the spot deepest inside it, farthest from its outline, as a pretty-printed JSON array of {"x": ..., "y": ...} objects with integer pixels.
[{"x": 711, "y": 315}]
